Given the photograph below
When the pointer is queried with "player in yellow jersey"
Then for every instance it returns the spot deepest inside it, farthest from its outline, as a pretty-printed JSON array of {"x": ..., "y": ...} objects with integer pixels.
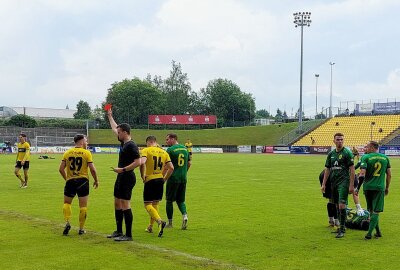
[
  {"x": 189, "y": 146},
  {"x": 22, "y": 161},
  {"x": 156, "y": 168},
  {"x": 74, "y": 169}
]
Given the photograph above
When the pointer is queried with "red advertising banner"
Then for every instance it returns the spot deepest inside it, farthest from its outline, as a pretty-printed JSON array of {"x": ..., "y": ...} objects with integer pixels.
[{"x": 183, "y": 119}]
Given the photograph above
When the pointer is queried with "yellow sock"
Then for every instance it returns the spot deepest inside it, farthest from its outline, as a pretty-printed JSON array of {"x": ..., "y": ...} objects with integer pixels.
[
  {"x": 82, "y": 217},
  {"x": 67, "y": 212},
  {"x": 152, "y": 220},
  {"x": 152, "y": 212}
]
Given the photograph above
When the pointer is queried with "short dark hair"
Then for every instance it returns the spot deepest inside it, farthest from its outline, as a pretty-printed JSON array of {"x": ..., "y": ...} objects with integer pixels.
[
  {"x": 338, "y": 135},
  {"x": 374, "y": 144},
  {"x": 78, "y": 137},
  {"x": 151, "y": 138},
  {"x": 172, "y": 136},
  {"x": 22, "y": 135},
  {"x": 125, "y": 127}
]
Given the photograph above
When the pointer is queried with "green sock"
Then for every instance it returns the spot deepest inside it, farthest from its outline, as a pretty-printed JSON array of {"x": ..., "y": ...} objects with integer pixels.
[
  {"x": 377, "y": 226},
  {"x": 373, "y": 223},
  {"x": 170, "y": 209},
  {"x": 182, "y": 207},
  {"x": 342, "y": 219}
]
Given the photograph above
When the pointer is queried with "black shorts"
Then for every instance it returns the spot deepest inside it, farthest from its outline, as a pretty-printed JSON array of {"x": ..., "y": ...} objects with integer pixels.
[
  {"x": 328, "y": 187},
  {"x": 153, "y": 190},
  {"x": 19, "y": 165},
  {"x": 176, "y": 192},
  {"x": 124, "y": 184},
  {"x": 76, "y": 186}
]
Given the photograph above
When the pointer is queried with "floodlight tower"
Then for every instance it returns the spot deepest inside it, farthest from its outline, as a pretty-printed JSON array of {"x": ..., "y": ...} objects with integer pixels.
[
  {"x": 301, "y": 19},
  {"x": 316, "y": 95},
  {"x": 330, "y": 98}
]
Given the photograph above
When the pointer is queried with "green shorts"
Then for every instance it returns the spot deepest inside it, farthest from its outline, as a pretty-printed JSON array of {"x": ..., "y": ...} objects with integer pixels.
[
  {"x": 175, "y": 192},
  {"x": 340, "y": 194},
  {"x": 375, "y": 200}
]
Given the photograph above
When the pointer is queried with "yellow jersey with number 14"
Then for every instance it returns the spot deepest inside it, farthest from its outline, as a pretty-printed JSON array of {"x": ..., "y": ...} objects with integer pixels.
[{"x": 156, "y": 158}]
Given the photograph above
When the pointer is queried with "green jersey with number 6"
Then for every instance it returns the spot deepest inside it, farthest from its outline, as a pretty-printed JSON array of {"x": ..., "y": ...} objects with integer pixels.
[
  {"x": 375, "y": 165},
  {"x": 179, "y": 157}
]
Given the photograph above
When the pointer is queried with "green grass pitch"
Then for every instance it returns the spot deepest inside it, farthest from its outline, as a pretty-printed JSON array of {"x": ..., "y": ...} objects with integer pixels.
[{"x": 246, "y": 211}]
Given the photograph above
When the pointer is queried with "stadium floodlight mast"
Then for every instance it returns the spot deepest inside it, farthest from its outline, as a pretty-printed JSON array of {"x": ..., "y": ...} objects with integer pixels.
[
  {"x": 316, "y": 95},
  {"x": 330, "y": 98},
  {"x": 301, "y": 19}
]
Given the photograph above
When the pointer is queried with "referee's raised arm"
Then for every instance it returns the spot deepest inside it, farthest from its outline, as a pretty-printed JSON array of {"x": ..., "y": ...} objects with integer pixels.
[{"x": 113, "y": 124}]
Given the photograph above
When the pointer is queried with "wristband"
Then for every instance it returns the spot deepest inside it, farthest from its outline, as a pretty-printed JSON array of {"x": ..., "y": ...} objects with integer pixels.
[{"x": 124, "y": 169}]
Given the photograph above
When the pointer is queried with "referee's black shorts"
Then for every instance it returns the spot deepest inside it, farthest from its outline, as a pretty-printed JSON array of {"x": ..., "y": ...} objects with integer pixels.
[{"x": 124, "y": 184}]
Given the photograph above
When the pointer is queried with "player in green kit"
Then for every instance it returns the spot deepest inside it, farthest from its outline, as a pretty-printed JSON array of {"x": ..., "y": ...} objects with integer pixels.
[
  {"x": 339, "y": 166},
  {"x": 375, "y": 171},
  {"x": 176, "y": 184}
]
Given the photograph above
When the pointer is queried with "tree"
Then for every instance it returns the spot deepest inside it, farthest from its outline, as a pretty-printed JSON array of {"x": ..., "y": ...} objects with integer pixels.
[
  {"x": 297, "y": 114},
  {"x": 225, "y": 99},
  {"x": 197, "y": 104},
  {"x": 263, "y": 113},
  {"x": 285, "y": 116},
  {"x": 176, "y": 89},
  {"x": 84, "y": 111},
  {"x": 21, "y": 120},
  {"x": 133, "y": 100},
  {"x": 279, "y": 115},
  {"x": 97, "y": 114}
]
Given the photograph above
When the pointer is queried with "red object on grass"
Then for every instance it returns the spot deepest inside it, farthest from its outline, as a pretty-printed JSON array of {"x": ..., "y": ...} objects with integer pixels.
[{"x": 107, "y": 107}]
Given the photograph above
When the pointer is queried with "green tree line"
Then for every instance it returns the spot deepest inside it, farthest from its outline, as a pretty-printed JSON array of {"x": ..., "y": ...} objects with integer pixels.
[{"x": 134, "y": 99}]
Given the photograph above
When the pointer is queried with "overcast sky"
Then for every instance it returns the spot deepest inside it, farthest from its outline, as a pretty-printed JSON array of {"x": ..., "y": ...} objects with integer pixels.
[{"x": 54, "y": 53}]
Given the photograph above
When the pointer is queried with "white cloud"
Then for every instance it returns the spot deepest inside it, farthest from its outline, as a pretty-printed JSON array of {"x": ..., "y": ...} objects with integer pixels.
[{"x": 64, "y": 51}]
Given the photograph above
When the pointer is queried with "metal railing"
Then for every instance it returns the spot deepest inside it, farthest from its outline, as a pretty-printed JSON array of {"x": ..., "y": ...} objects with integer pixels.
[{"x": 297, "y": 133}]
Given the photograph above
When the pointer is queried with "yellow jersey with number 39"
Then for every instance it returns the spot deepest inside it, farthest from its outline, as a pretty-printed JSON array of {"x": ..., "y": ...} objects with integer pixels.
[{"x": 77, "y": 161}]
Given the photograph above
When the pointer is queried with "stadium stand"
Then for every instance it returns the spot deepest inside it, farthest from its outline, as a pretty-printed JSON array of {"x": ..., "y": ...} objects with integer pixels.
[
  {"x": 358, "y": 130},
  {"x": 395, "y": 141}
]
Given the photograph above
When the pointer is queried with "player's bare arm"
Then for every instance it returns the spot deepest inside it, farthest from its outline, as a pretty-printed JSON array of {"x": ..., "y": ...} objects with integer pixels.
[
  {"x": 136, "y": 163},
  {"x": 61, "y": 169},
  {"x": 94, "y": 174},
  {"x": 169, "y": 170},
  {"x": 113, "y": 124},
  {"x": 352, "y": 175},
  {"x": 388, "y": 179},
  {"x": 326, "y": 175},
  {"x": 143, "y": 168}
]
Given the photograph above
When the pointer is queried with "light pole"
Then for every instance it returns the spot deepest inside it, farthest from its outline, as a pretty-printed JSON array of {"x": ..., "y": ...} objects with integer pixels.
[
  {"x": 316, "y": 95},
  {"x": 301, "y": 19},
  {"x": 330, "y": 99},
  {"x": 372, "y": 124}
]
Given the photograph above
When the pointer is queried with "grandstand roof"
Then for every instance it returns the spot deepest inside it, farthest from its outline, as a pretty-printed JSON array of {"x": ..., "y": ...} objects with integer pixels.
[{"x": 38, "y": 113}]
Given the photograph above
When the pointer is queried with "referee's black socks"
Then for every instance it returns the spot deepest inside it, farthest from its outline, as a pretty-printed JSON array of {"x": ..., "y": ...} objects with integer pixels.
[{"x": 128, "y": 216}]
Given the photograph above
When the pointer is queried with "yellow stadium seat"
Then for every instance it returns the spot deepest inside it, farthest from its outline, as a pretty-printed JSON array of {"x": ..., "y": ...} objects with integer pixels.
[{"x": 358, "y": 130}]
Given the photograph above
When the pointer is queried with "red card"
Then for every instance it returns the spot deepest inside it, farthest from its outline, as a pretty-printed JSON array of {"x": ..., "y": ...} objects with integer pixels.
[{"x": 107, "y": 107}]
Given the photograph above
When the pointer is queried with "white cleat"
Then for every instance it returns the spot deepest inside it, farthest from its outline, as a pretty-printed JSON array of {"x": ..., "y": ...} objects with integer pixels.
[{"x": 184, "y": 223}]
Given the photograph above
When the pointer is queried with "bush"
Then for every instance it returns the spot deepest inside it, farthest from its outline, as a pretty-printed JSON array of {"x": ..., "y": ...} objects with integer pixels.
[
  {"x": 21, "y": 120},
  {"x": 62, "y": 123}
]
